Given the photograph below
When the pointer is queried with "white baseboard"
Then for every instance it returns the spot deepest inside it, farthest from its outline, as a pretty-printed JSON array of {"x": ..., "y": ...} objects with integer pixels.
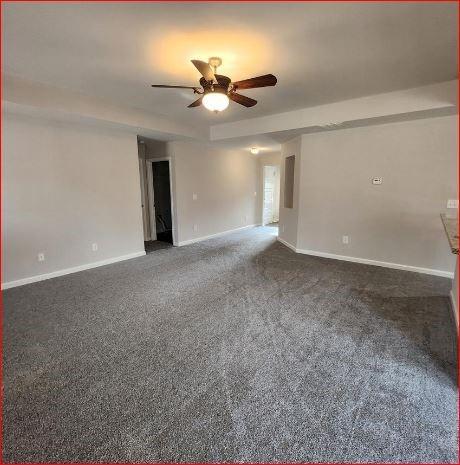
[
  {"x": 223, "y": 233},
  {"x": 366, "y": 261},
  {"x": 454, "y": 308},
  {"x": 287, "y": 244},
  {"x": 75, "y": 269}
]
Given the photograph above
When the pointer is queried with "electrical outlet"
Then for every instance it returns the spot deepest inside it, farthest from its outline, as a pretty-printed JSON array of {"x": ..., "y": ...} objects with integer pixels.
[
  {"x": 345, "y": 240},
  {"x": 94, "y": 247},
  {"x": 195, "y": 227},
  {"x": 452, "y": 203},
  {"x": 41, "y": 257},
  {"x": 195, "y": 196}
]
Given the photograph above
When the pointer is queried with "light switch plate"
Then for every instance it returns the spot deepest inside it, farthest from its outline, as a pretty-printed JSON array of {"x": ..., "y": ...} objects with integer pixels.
[
  {"x": 194, "y": 196},
  {"x": 377, "y": 181}
]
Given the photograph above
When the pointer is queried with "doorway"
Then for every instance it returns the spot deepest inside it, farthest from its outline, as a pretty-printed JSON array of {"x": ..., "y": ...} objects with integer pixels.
[
  {"x": 271, "y": 195},
  {"x": 159, "y": 205},
  {"x": 156, "y": 172}
]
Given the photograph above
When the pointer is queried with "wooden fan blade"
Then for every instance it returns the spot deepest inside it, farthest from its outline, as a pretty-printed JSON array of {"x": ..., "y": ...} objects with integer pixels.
[
  {"x": 163, "y": 86},
  {"x": 259, "y": 81},
  {"x": 242, "y": 99},
  {"x": 196, "y": 103},
  {"x": 205, "y": 70}
]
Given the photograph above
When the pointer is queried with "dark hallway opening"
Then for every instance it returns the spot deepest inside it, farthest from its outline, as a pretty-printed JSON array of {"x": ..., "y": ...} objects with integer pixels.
[{"x": 162, "y": 201}]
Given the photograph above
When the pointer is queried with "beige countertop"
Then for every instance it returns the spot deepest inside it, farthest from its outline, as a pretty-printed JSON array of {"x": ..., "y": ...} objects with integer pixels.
[{"x": 451, "y": 227}]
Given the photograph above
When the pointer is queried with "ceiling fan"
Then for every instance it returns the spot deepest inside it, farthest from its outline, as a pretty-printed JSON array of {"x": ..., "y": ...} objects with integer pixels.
[{"x": 216, "y": 90}]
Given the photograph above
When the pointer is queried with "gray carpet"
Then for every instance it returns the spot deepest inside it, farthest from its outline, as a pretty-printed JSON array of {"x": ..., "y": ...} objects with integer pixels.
[
  {"x": 153, "y": 246},
  {"x": 234, "y": 349}
]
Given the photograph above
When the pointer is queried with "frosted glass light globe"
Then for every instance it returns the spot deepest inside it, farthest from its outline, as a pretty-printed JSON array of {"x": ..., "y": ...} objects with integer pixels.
[{"x": 215, "y": 101}]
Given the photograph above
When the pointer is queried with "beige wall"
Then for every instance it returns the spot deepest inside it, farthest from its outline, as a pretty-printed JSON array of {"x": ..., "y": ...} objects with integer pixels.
[
  {"x": 396, "y": 222},
  {"x": 155, "y": 149},
  {"x": 289, "y": 216},
  {"x": 66, "y": 187},
  {"x": 223, "y": 180},
  {"x": 272, "y": 158},
  {"x": 455, "y": 293}
]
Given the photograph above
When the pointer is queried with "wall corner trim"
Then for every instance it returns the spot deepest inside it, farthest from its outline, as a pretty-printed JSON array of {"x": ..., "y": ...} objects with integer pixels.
[
  {"x": 65, "y": 271},
  {"x": 287, "y": 244},
  {"x": 366, "y": 261},
  {"x": 223, "y": 233},
  {"x": 453, "y": 304}
]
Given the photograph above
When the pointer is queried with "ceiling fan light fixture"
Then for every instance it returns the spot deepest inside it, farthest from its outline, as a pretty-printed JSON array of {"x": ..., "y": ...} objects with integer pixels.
[
  {"x": 215, "y": 101},
  {"x": 216, "y": 90}
]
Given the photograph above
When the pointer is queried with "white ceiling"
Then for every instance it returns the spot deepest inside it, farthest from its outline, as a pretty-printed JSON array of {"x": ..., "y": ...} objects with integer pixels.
[{"x": 321, "y": 52}]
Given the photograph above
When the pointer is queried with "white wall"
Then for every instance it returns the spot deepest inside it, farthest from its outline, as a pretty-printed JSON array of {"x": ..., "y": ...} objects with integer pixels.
[
  {"x": 28, "y": 96},
  {"x": 223, "y": 180},
  {"x": 433, "y": 97},
  {"x": 396, "y": 222},
  {"x": 64, "y": 188}
]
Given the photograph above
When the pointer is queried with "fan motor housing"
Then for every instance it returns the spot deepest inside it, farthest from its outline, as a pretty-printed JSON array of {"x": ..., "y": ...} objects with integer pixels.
[{"x": 222, "y": 85}]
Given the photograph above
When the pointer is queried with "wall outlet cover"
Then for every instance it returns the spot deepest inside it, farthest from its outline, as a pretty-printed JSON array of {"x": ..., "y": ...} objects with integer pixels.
[
  {"x": 452, "y": 203},
  {"x": 345, "y": 240},
  {"x": 194, "y": 196},
  {"x": 41, "y": 257},
  {"x": 94, "y": 247}
]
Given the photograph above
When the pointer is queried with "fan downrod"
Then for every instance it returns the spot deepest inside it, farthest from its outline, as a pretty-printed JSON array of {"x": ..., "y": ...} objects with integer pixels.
[{"x": 215, "y": 62}]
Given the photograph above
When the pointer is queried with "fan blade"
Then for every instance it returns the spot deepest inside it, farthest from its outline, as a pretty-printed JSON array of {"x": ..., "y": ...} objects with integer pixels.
[
  {"x": 162, "y": 86},
  {"x": 242, "y": 99},
  {"x": 205, "y": 70},
  {"x": 196, "y": 103},
  {"x": 259, "y": 81}
]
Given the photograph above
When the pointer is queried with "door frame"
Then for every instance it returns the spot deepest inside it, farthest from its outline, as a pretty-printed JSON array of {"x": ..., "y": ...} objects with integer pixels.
[
  {"x": 151, "y": 201},
  {"x": 277, "y": 167},
  {"x": 153, "y": 228},
  {"x": 144, "y": 199}
]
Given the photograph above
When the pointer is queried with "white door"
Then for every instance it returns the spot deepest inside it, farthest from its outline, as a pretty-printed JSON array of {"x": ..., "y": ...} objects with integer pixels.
[
  {"x": 144, "y": 199},
  {"x": 271, "y": 194}
]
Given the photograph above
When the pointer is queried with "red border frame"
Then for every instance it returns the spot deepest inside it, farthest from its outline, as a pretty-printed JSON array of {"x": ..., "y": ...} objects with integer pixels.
[{"x": 220, "y": 1}]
